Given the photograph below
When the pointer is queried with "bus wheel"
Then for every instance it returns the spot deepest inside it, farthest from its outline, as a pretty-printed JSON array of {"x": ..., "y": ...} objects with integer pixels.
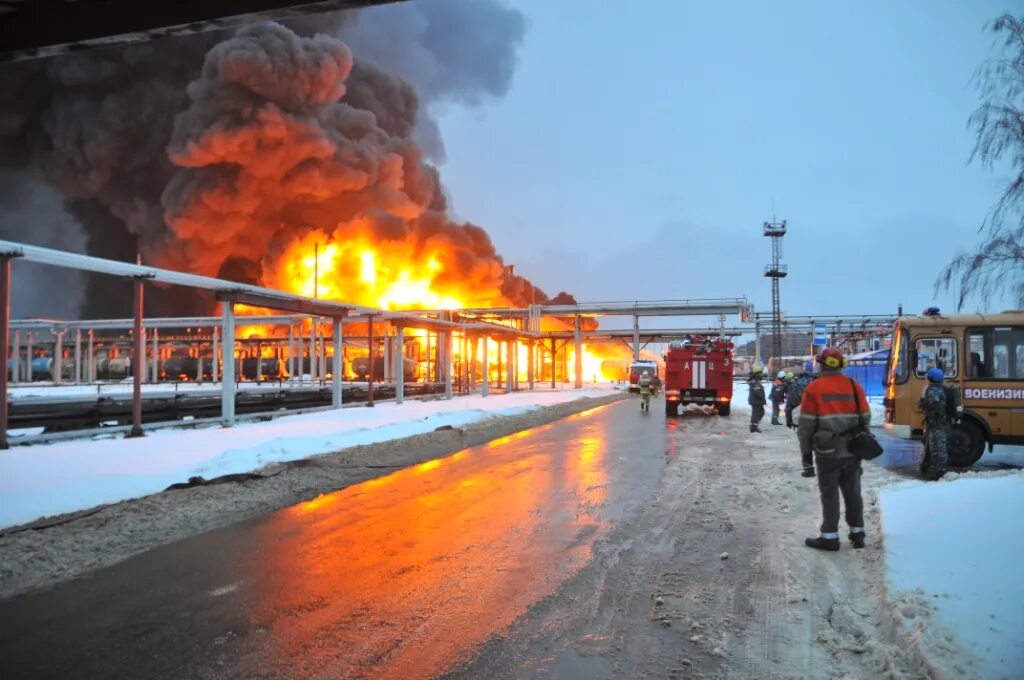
[
  {"x": 966, "y": 444},
  {"x": 723, "y": 409}
]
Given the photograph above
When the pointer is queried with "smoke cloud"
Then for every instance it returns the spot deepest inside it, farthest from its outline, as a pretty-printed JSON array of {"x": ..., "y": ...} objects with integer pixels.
[{"x": 216, "y": 154}]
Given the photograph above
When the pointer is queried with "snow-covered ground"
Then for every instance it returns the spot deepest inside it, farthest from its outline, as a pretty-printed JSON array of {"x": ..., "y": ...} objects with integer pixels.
[
  {"x": 959, "y": 543},
  {"x": 47, "y": 479}
]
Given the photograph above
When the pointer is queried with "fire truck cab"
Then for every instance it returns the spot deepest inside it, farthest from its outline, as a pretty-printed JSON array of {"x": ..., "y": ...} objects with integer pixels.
[
  {"x": 637, "y": 368},
  {"x": 698, "y": 370}
]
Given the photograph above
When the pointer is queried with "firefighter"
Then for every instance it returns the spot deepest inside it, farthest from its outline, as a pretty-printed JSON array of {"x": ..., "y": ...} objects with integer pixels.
[
  {"x": 645, "y": 391},
  {"x": 831, "y": 407},
  {"x": 941, "y": 407},
  {"x": 778, "y": 396},
  {"x": 756, "y": 398}
]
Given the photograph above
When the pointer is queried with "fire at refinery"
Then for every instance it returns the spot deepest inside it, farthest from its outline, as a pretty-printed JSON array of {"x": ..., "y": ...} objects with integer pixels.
[
  {"x": 277, "y": 159},
  {"x": 392, "y": 275}
]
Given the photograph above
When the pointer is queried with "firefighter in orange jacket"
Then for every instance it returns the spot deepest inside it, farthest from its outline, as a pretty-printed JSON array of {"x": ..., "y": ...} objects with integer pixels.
[{"x": 832, "y": 407}]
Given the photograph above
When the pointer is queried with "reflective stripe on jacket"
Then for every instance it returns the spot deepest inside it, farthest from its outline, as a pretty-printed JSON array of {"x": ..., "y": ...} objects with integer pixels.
[{"x": 832, "y": 404}]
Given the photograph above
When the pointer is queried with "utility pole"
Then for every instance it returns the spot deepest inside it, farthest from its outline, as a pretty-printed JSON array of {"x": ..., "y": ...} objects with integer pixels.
[{"x": 775, "y": 271}]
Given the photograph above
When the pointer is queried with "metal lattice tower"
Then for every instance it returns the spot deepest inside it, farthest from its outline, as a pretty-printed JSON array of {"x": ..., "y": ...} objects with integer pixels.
[{"x": 775, "y": 271}]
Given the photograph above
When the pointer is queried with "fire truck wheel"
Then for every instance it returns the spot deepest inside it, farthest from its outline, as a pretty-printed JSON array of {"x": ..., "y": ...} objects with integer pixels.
[
  {"x": 724, "y": 409},
  {"x": 671, "y": 408},
  {"x": 966, "y": 444}
]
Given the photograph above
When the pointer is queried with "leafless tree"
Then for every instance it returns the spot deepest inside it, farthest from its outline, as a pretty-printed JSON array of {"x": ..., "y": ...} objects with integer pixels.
[{"x": 996, "y": 267}]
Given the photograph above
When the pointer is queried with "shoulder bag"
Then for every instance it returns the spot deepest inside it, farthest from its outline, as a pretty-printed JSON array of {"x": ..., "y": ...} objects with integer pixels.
[{"x": 859, "y": 441}]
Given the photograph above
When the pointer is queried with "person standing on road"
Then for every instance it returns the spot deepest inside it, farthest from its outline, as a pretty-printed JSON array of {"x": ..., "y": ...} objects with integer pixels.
[
  {"x": 778, "y": 396},
  {"x": 645, "y": 391},
  {"x": 756, "y": 398},
  {"x": 940, "y": 405},
  {"x": 833, "y": 406},
  {"x": 794, "y": 394}
]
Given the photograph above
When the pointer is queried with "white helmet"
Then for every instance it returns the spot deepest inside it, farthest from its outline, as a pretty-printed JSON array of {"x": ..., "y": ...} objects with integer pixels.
[{"x": 782, "y": 374}]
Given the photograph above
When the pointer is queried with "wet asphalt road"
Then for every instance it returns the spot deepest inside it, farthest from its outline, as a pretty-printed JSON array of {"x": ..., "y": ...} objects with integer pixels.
[{"x": 406, "y": 575}]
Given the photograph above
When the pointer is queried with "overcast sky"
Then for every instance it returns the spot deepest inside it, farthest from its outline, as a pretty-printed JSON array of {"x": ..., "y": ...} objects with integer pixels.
[{"x": 643, "y": 144}]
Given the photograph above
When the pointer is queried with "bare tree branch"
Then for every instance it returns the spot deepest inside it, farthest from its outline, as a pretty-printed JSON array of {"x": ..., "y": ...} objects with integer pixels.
[{"x": 996, "y": 267}]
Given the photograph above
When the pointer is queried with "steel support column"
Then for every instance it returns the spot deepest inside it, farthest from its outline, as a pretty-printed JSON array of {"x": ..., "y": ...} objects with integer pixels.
[
  {"x": 138, "y": 360},
  {"x": 57, "y": 366},
  {"x": 510, "y": 366},
  {"x": 531, "y": 362},
  {"x": 757, "y": 343},
  {"x": 485, "y": 382},
  {"x": 92, "y": 358},
  {"x": 78, "y": 356},
  {"x": 473, "y": 345},
  {"x": 323, "y": 356},
  {"x": 500, "y": 350},
  {"x": 400, "y": 366},
  {"x": 337, "y": 364},
  {"x": 5, "y": 332},
  {"x": 28, "y": 357},
  {"x": 291, "y": 351},
  {"x": 314, "y": 351},
  {"x": 369, "y": 350},
  {"x": 579, "y": 352},
  {"x": 553, "y": 353},
  {"x": 156, "y": 356},
  {"x": 448, "y": 364},
  {"x": 636, "y": 338},
  {"x": 16, "y": 357},
  {"x": 227, "y": 386},
  {"x": 215, "y": 361}
]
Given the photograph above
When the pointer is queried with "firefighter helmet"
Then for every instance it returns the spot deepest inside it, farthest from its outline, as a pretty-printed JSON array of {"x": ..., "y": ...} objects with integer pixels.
[
  {"x": 935, "y": 375},
  {"x": 831, "y": 358},
  {"x": 756, "y": 370},
  {"x": 781, "y": 375},
  {"x": 789, "y": 375}
]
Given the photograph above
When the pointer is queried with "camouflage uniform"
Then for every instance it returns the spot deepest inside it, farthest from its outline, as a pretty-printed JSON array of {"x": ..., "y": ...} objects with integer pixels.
[
  {"x": 937, "y": 427},
  {"x": 757, "y": 401},
  {"x": 794, "y": 394}
]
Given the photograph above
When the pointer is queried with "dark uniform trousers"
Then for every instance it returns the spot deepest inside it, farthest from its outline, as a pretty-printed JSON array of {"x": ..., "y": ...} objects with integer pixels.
[
  {"x": 756, "y": 414},
  {"x": 835, "y": 476}
]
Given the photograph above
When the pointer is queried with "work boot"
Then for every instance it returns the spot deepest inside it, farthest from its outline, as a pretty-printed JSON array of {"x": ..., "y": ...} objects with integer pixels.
[
  {"x": 775, "y": 421},
  {"x": 755, "y": 428},
  {"x": 822, "y": 543},
  {"x": 857, "y": 539}
]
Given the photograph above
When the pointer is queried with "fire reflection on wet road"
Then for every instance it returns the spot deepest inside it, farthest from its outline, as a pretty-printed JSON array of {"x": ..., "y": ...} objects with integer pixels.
[
  {"x": 435, "y": 558},
  {"x": 401, "y": 576}
]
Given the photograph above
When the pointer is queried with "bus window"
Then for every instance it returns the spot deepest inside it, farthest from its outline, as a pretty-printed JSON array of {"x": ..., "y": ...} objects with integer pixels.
[
  {"x": 1008, "y": 349},
  {"x": 937, "y": 352},
  {"x": 979, "y": 363},
  {"x": 1001, "y": 356}
]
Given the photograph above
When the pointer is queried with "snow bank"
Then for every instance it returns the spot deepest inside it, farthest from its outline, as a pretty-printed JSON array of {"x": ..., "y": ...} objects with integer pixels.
[
  {"x": 959, "y": 544},
  {"x": 48, "y": 479}
]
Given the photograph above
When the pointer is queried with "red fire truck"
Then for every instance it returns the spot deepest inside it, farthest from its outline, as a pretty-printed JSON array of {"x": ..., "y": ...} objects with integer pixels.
[
  {"x": 698, "y": 370},
  {"x": 637, "y": 368}
]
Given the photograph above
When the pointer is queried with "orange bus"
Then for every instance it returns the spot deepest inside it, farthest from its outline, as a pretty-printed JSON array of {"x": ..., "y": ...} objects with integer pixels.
[{"x": 982, "y": 355}]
